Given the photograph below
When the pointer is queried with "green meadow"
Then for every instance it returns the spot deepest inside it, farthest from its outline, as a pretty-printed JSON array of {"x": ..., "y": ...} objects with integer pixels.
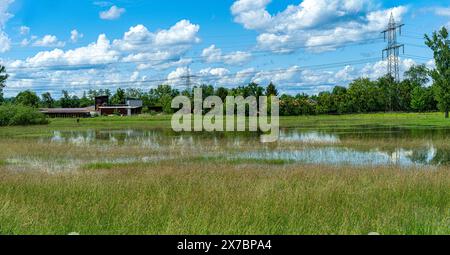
[{"x": 133, "y": 175}]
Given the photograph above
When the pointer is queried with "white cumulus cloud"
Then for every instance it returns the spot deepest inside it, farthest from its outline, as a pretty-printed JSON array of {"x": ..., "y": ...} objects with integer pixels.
[
  {"x": 327, "y": 24},
  {"x": 175, "y": 78},
  {"x": 75, "y": 36},
  {"x": 139, "y": 37},
  {"x": 48, "y": 41},
  {"x": 161, "y": 49},
  {"x": 112, "y": 13},
  {"x": 182, "y": 32},
  {"x": 252, "y": 13},
  {"x": 213, "y": 54},
  {"x": 5, "y": 41},
  {"x": 138, "y": 46},
  {"x": 103, "y": 61},
  {"x": 95, "y": 53}
]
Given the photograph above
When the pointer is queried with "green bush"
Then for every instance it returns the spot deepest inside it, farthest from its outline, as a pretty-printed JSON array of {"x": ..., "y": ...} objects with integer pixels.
[{"x": 18, "y": 115}]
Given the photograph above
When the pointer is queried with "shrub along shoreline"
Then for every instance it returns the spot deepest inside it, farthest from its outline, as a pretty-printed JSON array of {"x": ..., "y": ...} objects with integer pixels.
[{"x": 18, "y": 115}]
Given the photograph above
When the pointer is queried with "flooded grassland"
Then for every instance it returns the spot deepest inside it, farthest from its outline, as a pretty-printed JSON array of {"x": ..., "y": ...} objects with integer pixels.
[{"x": 139, "y": 177}]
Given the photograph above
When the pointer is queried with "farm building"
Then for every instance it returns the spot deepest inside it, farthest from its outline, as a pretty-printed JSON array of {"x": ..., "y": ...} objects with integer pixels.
[
  {"x": 68, "y": 112},
  {"x": 101, "y": 101},
  {"x": 131, "y": 107}
]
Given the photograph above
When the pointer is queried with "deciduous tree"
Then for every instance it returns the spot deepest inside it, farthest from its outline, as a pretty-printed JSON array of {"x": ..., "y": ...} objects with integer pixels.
[
  {"x": 47, "y": 100},
  {"x": 440, "y": 44},
  {"x": 27, "y": 98},
  {"x": 3, "y": 77}
]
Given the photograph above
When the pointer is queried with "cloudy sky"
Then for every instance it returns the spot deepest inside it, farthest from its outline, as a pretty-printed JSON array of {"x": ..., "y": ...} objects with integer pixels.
[{"x": 303, "y": 46}]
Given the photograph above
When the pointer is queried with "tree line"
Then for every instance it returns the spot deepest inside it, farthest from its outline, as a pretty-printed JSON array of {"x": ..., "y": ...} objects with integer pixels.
[
  {"x": 413, "y": 93},
  {"x": 421, "y": 90}
]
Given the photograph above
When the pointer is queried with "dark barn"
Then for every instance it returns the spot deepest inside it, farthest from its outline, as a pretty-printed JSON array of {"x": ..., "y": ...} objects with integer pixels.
[
  {"x": 67, "y": 112},
  {"x": 131, "y": 107},
  {"x": 101, "y": 101},
  {"x": 120, "y": 110}
]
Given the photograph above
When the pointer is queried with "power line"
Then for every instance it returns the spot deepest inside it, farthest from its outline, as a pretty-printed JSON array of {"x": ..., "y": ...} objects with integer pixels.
[
  {"x": 193, "y": 58},
  {"x": 140, "y": 85},
  {"x": 318, "y": 66},
  {"x": 417, "y": 45},
  {"x": 392, "y": 49},
  {"x": 309, "y": 67},
  {"x": 188, "y": 77},
  {"x": 204, "y": 78},
  {"x": 413, "y": 37},
  {"x": 418, "y": 57}
]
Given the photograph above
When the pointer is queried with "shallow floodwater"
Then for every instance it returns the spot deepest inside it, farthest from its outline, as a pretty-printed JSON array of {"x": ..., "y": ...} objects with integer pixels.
[{"x": 367, "y": 145}]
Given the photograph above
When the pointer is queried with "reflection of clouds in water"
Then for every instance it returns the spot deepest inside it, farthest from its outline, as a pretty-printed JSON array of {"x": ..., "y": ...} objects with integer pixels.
[
  {"x": 419, "y": 156},
  {"x": 80, "y": 140},
  {"x": 57, "y": 137},
  {"x": 431, "y": 154},
  {"x": 74, "y": 138},
  {"x": 339, "y": 156},
  {"x": 308, "y": 137},
  {"x": 327, "y": 153}
]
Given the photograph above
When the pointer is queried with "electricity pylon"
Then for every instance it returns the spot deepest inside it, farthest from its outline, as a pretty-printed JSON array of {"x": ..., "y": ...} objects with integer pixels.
[
  {"x": 393, "y": 48},
  {"x": 187, "y": 78}
]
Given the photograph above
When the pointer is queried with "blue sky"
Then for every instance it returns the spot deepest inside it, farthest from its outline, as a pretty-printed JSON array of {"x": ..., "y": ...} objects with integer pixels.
[{"x": 303, "y": 46}]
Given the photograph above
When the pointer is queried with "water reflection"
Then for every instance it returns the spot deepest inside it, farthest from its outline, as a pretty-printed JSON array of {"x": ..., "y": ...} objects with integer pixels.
[
  {"x": 317, "y": 147},
  {"x": 292, "y": 135},
  {"x": 348, "y": 156}
]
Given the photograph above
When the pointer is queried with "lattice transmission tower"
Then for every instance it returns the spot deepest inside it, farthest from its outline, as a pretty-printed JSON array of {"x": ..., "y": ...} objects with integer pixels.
[
  {"x": 188, "y": 78},
  {"x": 392, "y": 51}
]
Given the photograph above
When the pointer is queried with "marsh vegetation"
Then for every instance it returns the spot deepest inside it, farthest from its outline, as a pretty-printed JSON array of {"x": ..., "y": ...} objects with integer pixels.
[{"x": 327, "y": 175}]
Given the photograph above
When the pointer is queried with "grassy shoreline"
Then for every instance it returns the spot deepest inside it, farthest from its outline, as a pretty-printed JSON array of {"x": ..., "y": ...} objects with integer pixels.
[{"x": 417, "y": 120}]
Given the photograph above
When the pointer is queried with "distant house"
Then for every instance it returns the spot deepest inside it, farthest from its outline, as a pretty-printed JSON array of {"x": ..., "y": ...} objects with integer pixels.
[
  {"x": 68, "y": 112},
  {"x": 132, "y": 106}
]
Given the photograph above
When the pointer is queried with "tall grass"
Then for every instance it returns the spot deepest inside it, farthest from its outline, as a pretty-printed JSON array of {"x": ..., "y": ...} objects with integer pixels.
[
  {"x": 102, "y": 188},
  {"x": 208, "y": 198}
]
